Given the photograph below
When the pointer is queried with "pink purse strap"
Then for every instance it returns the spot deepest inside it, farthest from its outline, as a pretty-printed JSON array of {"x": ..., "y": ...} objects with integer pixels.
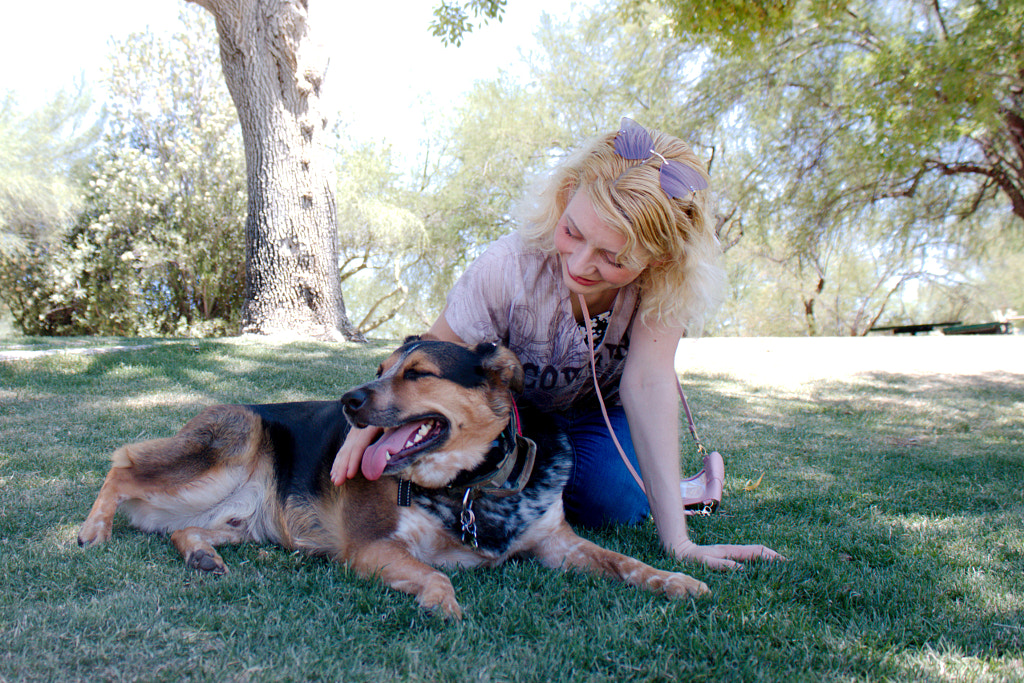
[{"x": 604, "y": 410}]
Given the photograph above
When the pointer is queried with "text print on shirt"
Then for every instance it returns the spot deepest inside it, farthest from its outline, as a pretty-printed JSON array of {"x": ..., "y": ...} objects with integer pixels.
[{"x": 547, "y": 377}]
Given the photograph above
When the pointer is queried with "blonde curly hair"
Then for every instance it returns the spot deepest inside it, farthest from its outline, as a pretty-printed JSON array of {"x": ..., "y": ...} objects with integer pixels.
[{"x": 683, "y": 280}]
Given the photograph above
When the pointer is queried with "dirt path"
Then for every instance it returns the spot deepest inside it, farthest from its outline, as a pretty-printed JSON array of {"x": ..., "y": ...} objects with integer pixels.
[{"x": 21, "y": 354}]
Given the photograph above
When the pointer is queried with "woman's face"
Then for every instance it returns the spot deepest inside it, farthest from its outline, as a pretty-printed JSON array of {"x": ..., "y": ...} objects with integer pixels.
[{"x": 588, "y": 248}]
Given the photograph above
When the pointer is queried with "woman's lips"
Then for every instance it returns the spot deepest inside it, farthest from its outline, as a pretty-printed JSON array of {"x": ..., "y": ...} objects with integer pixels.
[{"x": 583, "y": 281}]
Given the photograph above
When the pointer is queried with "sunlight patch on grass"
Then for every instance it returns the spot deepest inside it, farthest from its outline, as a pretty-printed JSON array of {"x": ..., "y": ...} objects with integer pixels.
[
  {"x": 63, "y": 536},
  {"x": 812, "y": 475},
  {"x": 983, "y": 542},
  {"x": 993, "y": 593},
  {"x": 945, "y": 662},
  {"x": 24, "y": 396},
  {"x": 147, "y": 401}
]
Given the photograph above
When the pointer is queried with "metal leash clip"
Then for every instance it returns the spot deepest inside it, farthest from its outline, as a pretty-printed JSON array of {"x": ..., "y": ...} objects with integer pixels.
[{"x": 468, "y": 521}]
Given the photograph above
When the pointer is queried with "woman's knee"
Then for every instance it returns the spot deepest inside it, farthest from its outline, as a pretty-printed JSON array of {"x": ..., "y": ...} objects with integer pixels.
[{"x": 601, "y": 489}]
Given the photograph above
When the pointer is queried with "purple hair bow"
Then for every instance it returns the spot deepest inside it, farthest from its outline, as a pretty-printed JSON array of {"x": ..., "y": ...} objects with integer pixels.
[{"x": 635, "y": 143}]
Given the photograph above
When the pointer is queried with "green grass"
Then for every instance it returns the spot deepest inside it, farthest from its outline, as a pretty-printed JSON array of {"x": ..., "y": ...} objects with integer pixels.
[{"x": 897, "y": 502}]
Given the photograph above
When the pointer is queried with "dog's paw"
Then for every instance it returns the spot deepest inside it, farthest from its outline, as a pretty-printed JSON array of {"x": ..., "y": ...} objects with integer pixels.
[
  {"x": 206, "y": 561},
  {"x": 438, "y": 597},
  {"x": 679, "y": 585},
  {"x": 93, "y": 532},
  {"x": 448, "y": 608}
]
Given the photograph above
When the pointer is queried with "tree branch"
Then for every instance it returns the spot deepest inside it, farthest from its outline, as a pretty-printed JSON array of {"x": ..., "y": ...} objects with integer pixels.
[{"x": 942, "y": 22}]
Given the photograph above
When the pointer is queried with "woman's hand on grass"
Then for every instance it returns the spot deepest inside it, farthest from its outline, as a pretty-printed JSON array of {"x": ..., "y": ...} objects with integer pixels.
[{"x": 724, "y": 556}]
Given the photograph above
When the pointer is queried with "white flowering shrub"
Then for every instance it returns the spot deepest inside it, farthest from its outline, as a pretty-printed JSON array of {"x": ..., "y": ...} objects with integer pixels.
[{"x": 159, "y": 248}]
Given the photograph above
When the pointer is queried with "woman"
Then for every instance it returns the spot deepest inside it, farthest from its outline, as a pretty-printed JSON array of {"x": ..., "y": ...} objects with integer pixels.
[{"x": 622, "y": 233}]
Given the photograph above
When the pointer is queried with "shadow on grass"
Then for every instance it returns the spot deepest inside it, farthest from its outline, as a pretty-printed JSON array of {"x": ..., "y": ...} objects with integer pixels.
[{"x": 897, "y": 498}]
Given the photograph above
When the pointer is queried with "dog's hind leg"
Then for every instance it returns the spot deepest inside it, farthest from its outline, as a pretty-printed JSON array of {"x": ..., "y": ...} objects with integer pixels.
[
  {"x": 563, "y": 549},
  {"x": 118, "y": 486},
  {"x": 197, "y": 547},
  {"x": 393, "y": 564},
  {"x": 159, "y": 475}
]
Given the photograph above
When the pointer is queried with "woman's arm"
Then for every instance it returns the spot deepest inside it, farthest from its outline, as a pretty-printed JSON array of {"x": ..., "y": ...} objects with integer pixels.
[
  {"x": 443, "y": 331},
  {"x": 651, "y": 400}
]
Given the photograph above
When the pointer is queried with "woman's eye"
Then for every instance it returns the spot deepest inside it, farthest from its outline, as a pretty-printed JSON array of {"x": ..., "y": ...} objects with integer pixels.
[{"x": 612, "y": 260}]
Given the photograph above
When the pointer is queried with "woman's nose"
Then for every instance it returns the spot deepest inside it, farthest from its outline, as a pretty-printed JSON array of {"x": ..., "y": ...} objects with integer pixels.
[{"x": 581, "y": 259}]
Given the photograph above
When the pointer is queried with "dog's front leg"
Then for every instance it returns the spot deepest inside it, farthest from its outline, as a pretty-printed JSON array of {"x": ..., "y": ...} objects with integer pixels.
[
  {"x": 563, "y": 549},
  {"x": 393, "y": 563}
]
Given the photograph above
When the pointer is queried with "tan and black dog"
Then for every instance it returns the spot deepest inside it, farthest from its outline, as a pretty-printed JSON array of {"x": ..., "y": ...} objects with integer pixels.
[{"x": 451, "y": 482}]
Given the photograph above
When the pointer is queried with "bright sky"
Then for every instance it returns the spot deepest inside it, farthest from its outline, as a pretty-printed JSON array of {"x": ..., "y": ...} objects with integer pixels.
[{"x": 385, "y": 65}]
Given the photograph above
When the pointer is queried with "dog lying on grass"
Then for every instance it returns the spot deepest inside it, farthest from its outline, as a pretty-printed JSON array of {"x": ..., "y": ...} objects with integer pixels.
[{"x": 451, "y": 482}]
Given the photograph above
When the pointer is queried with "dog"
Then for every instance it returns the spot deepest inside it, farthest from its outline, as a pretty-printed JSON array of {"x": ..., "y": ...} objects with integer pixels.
[{"x": 451, "y": 482}]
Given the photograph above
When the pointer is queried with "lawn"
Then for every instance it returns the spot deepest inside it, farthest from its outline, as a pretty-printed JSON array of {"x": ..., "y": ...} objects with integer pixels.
[{"x": 896, "y": 495}]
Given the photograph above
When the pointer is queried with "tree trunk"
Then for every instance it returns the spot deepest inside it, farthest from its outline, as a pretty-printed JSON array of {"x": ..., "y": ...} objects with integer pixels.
[{"x": 274, "y": 73}]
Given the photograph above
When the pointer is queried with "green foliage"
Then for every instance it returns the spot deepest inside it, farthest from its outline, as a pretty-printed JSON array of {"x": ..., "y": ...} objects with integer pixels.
[
  {"x": 501, "y": 136},
  {"x": 42, "y": 154},
  {"x": 159, "y": 246},
  {"x": 381, "y": 241},
  {"x": 902, "y": 94},
  {"x": 452, "y": 19}
]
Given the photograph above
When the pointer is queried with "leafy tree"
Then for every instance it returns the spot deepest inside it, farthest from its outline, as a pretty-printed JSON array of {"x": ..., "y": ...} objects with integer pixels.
[
  {"x": 42, "y": 155},
  {"x": 159, "y": 247},
  {"x": 452, "y": 20},
  {"x": 380, "y": 241},
  {"x": 892, "y": 127},
  {"x": 41, "y": 158},
  {"x": 905, "y": 94},
  {"x": 995, "y": 289}
]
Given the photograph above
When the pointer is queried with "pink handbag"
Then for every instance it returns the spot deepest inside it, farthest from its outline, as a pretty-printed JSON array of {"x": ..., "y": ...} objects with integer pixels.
[{"x": 712, "y": 475}]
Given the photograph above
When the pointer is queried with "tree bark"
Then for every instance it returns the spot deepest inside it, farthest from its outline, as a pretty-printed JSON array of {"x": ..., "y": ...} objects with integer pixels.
[{"x": 274, "y": 72}]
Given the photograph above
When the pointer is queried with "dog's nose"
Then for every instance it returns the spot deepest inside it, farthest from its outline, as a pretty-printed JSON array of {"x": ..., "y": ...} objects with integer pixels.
[{"x": 355, "y": 400}]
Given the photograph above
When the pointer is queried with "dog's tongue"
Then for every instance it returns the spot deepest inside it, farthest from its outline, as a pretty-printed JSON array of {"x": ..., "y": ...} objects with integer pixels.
[{"x": 375, "y": 457}]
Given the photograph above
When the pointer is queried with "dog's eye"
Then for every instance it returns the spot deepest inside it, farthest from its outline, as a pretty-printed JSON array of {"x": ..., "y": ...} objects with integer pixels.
[{"x": 413, "y": 373}]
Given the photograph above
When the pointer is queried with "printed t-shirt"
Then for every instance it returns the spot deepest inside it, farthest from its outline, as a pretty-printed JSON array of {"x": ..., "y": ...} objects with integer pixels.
[{"x": 515, "y": 295}]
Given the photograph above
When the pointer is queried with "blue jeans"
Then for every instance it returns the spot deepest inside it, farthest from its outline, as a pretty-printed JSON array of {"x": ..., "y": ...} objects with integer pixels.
[{"x": 601, "y": 490}]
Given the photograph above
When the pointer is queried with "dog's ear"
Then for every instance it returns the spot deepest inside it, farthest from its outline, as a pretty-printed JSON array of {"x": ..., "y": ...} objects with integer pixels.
[
  {"x": 498, "y": 361},
  {"x": 411, "y": 338}
]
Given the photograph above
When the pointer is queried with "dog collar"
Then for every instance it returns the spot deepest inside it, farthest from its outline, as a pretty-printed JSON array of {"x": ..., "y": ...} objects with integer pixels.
[{"x": 510, "y": 449}]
